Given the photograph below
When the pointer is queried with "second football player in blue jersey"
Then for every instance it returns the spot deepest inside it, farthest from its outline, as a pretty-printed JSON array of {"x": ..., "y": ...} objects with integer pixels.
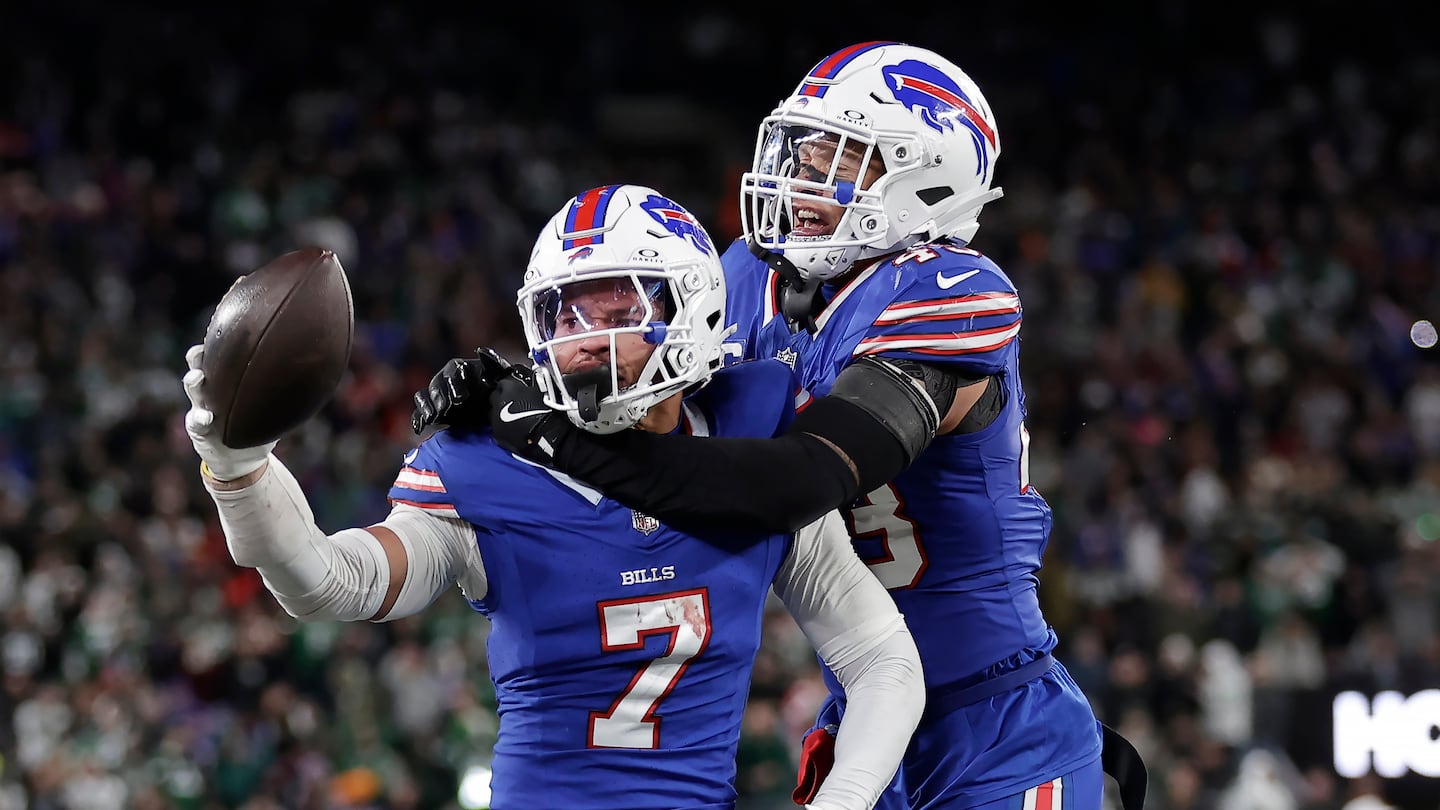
[{"x": 857, "y": 268}]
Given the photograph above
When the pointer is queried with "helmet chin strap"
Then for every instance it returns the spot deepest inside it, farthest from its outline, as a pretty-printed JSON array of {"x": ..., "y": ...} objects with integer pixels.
[
  {"x": 800, "y": 300},
  {"x": 589, "y": 387}
]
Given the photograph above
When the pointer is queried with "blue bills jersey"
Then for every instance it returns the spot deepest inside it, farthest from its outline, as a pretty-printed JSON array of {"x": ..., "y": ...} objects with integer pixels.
[
  {"x": 621, "y": 649},
  {"x": 958, "y": 537}
]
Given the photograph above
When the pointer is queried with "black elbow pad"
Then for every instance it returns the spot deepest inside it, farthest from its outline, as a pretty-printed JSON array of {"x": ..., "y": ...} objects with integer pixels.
[
  {"x": 879, "y": 417},
  {"x": 896, "y": 398}
]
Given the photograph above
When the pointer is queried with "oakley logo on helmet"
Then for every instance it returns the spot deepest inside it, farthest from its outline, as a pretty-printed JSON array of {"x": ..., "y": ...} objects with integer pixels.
[
  {"x": 678, "y": 221},
  {"x": 941, "y": 103}
]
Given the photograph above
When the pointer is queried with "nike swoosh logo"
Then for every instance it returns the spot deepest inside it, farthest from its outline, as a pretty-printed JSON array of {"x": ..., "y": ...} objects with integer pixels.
[
  {"x": 410, "y": 456},
  {"x": 507, "y": 415},
  {"x": 946, "y": 282}
]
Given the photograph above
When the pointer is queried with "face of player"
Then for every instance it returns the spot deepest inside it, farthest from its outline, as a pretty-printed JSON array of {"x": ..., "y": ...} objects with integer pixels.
[
  {"x": 815, "y": 156},
  {"x": 579, "y": 317}
]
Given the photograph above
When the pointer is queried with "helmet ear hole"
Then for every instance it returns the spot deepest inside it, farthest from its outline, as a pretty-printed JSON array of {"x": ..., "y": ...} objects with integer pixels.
[
  {"x": 935, "y": 194},
  {"x": 671, "y": 361}
]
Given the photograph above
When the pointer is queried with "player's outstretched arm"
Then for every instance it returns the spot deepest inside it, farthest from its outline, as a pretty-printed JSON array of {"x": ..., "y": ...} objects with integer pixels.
[
  {"x": 387, "y": 571},
  {"x": 854, "y": 625},
  {"x": 877, "y": 418}
]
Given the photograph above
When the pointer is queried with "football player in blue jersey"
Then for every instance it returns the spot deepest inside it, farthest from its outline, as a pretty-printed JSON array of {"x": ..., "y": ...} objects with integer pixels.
[
  {"x": 621, "y": 648},
  {"x": 857, "y": 268}
]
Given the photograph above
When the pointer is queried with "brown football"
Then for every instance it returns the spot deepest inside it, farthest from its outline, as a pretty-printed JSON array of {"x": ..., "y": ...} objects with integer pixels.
[{"x": 277, "y": 346}]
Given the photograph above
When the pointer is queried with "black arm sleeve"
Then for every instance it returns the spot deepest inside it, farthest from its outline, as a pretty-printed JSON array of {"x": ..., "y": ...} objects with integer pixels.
[
  {"x": 699, "y": 484},
  {"x": 868, "y": 429}
]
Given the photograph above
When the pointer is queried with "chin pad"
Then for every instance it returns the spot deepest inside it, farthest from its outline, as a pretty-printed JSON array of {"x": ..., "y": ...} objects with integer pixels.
[{"x": 589, "y": 387}]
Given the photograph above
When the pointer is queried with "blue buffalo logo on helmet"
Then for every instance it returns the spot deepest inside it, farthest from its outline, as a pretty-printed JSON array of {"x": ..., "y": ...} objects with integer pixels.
[
  {"x": 678, "y": 221},
  {"x": 941, "y": 104},
  {"x": 580, "y": 254}
]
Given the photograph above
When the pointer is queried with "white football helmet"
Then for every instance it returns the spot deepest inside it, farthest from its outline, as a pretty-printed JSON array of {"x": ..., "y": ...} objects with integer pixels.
[
  {"x": 870, "y": 108},
  {"x": 668, "y": 288}
]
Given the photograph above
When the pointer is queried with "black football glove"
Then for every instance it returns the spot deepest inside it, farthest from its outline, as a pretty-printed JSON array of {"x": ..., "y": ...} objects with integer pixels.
[
  {"x": 521, "y": 421},
  {"x": 459, "y": 395}
]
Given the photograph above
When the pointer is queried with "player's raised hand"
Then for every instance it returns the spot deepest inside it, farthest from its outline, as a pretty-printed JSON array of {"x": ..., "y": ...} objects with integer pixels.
[
  {"x": 223, "y": 463},
  {"x": 459, "y": 394}
]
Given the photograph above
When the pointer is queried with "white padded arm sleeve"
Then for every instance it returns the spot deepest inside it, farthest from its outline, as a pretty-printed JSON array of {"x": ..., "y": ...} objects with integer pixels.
[
  {"x": 853, "y": 623},
  {"x": 345, "y": 576}
]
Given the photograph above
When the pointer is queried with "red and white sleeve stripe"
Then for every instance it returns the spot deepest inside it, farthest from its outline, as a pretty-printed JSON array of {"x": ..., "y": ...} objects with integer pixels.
[
  {"x": 968, "y": 306},
  {"x": 426, "y": 485}
]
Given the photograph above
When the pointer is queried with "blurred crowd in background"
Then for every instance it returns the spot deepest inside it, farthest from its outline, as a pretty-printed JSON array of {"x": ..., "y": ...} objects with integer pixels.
[{"x": 1222, "y": 238}]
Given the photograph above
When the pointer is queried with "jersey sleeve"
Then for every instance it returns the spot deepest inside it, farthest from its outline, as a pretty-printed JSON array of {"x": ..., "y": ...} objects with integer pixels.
[
  {"x": 421, "y": 483},
  {"x": 958, "y": 309},
  {"x": 746, "y": 279}
]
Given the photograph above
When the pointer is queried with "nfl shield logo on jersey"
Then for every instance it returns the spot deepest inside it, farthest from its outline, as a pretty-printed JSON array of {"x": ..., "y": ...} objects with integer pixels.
[
  {"x": 642, "y": 522},
  {"x": 787, "y": 356}
]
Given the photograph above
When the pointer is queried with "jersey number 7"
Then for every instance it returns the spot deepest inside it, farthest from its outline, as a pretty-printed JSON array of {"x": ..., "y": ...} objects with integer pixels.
[{"x": 625, "y": 624}]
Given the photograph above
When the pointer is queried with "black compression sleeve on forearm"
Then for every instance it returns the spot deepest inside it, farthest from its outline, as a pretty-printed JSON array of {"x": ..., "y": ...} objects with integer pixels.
[
  {"x": 871, "y": 447},
  {"x": 702, "y": 484}
]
